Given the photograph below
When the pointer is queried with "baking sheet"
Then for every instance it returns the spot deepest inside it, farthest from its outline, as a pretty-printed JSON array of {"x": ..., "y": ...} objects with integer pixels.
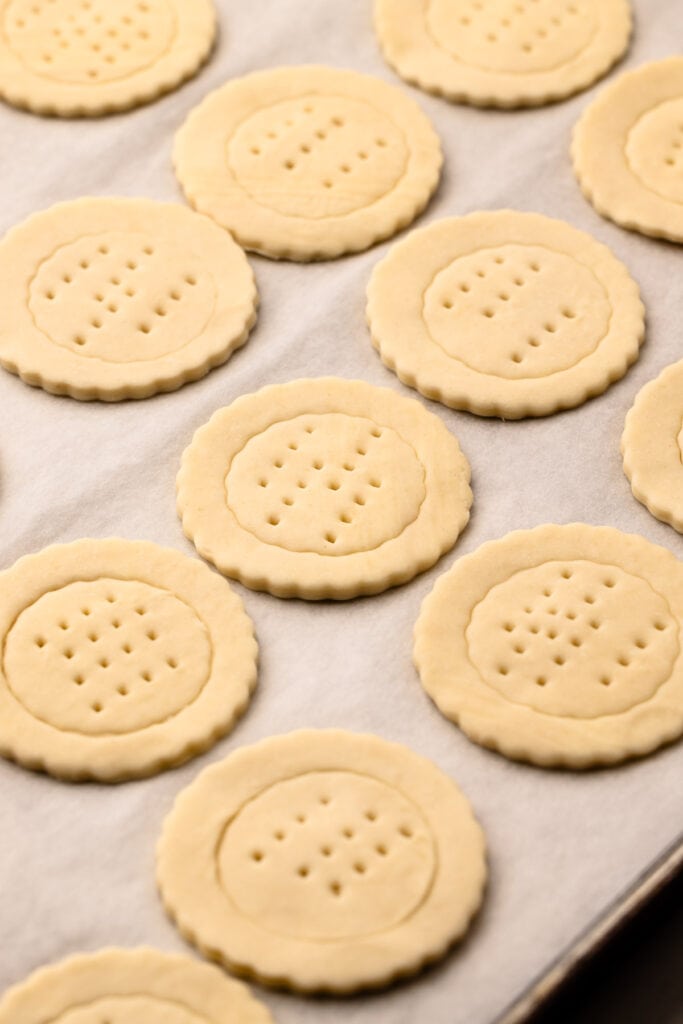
[{"x": 77, "y": 862}]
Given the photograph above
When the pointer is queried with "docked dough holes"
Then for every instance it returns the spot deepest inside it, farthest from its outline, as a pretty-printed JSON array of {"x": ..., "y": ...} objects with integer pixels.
[
  {"x": 652, "y": 446},
  {"x": 117, "y": 986},
  {"x": 498, "y": 53},
  {"x": 356, "y": 863},
  {"x": 352, "y": 846},
  {"x": 126, "y": 297},
  {"x": 323, "y": 488},
  {"x": 119, "y": 659},
  {"x": 559, "y": 645},
  {"x": 628, "y": 150},
  {"x": 90, "y": 57},
  {"x": 364, "y": 483},
  {"x": 308, "y": 162},
  {"x": 505, "y": 313}
]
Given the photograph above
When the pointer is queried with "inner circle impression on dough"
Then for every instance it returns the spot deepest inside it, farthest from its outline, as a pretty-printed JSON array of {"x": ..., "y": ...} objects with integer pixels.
[
  {"x": 340, "y": 861},
  {"x": 125, "y": 297},
  {"x": 118, "y": 659},
  {"x": 323, "y": 488},
  {"x": 91, "y": 57},
  {"x": 369, "y": 880},
  {"x": 652, "y": 446},
  {"x": 502, "y": 53},
  {"x": 308, "y": 162},
  {"x": 504, "y": 314},
  {"x": 627, "y": 150},
  {"x": 117, "y": 986},
  {"x": 559, "y": 645}
]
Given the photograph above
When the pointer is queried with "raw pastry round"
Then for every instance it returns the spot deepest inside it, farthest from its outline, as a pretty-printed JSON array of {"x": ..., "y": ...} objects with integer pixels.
[
  {"x": 559, "y": 646},
  {"x": 307, "y": 163},
  {"x": 628, "y": 150},
  {"x": 652, "y": 446},
  {"x": 505, "y": 314},
  {"x": 81, "y": 58},
  {"x": 121, "y": 298},
  {"x": 323, "y": 488},
  {"x": 119, "y": 659},
  {"x": 495, "y": 53},
  {"x": 322, "y": 860},
  {"x": 123, "y": 986}
]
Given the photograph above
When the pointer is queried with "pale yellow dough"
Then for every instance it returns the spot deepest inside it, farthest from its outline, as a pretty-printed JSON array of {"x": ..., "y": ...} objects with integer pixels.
[
  {"x": 652, "y": 446},
  {"x": 131, "y": 986},
  {"x": 322, "y": 860},
  {"x": 503, "y": 53},
  {"x": 505, "y": 314},
  {"x": 307, "y": 163},
  {"x": 120, "y": 298},
  {"x": 81, "y": 58},
  {"x": 323, "y": 488},
  {"x": 119, "y": 659},
  {"x": 628, "y": 150},
  {"x": 560, "y": 646}
]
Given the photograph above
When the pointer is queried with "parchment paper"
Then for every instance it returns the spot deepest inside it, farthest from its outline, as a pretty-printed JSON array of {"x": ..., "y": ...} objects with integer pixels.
[{"x": 77, "y": 862}]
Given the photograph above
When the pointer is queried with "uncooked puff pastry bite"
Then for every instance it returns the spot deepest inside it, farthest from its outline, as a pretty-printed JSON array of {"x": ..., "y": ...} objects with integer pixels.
[
  {"x": 307, "y": 163},
  {"x": 503, "y": 53},
  {"x": 323, "y": 861},
  {"x": 81, "y": 58},
  {"x": 628, "y": 150},
  {"x": 505, "y": 314},
  {"x": 559, "y": 646},
  {"x": 652, "y": 446},
  {"x": 131, "y": 986},
  {"x": 121, "y": 298},
  {"x": 119, "y": 659},
  {"x": 323, "y": 488}
]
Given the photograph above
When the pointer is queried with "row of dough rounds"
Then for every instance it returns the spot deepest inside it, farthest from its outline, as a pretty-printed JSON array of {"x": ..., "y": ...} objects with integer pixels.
[
  {"x": 91, "y": 57},
  {"x": 499, "y": 313},
  {"x": 558, "y": 645},
  {"x": 322, "y": 162},
  {"x": 304, "y": 179}
]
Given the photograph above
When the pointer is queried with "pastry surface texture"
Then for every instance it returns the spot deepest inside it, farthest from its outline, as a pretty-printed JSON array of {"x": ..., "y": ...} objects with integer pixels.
[
  {"x": 121, "y": 298},
  {"x": 307, "y": 163},
  {"x": 652, "y": 446},
  {"x": 120, "y": 659},
  {"x": 494, "y": 53},
  {"x": 559, "y": 646},
  {"x": 627, "y": 150},
  {"x": 505, "y": 314},
  {"x": 84, "y": 58},
  {"x": 323, "y": 488},
  {"x": 121, "y": 986},
  {"x": 322, "y": 860}
]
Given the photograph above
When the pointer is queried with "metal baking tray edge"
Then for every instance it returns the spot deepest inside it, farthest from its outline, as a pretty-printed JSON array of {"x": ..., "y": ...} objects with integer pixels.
[{"x": 593, "y": 938}]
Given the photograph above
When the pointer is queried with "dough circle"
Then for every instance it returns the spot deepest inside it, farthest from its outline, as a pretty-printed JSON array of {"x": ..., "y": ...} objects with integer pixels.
[
  {"x": 495, "y": 53},
  {"x": 323, "y": 861},
  {"x": 307, "y": 163},
  {"x": 124, "y": 985},
  {"x": 560, "y": 646},
  {"x": 119, "y": 659},
  {"x": 84, "y": 58},
  {"x": 505, "y": 314},
  {"x": 652, "y": 446},
  {"x": 323, "y": 488},
  {"x": 627, "y": 150},
  {"x": 121, "y": 298}
]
